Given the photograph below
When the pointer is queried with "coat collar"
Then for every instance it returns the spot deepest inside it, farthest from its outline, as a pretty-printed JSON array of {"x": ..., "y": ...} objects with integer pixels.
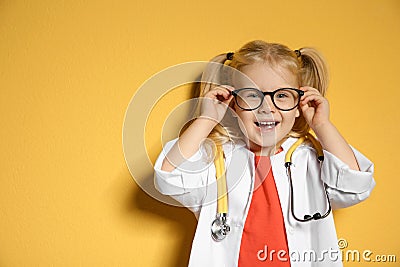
[{"x": 240, "y": 144}]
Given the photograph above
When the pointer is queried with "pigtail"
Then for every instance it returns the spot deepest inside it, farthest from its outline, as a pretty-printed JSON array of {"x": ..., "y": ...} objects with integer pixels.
[
  {"x": 216, "y": 73},
  {"x": 314, "y": 70}
]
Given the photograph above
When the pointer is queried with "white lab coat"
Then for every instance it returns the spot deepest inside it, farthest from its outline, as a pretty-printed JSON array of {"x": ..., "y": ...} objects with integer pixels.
[{"x": 310, "y": 244}]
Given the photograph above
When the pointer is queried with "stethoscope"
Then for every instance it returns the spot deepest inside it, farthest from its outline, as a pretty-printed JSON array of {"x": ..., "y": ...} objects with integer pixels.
[{"x": 220, "y": 227}]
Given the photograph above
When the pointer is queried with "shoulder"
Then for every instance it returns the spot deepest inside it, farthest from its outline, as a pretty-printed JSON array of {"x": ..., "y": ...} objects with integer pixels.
[{"x": 288, "y": 143}]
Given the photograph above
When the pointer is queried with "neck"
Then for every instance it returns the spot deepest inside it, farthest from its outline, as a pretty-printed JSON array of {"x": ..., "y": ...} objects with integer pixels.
[
  {"x": 262, "y": 151},
  {"x": 266, "y": 151}
]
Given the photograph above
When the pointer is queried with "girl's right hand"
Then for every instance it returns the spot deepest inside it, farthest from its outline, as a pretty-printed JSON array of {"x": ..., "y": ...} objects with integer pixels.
[{"x": 215, "y": 103}]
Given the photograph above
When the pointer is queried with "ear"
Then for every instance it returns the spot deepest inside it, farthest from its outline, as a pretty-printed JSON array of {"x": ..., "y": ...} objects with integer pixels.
[
  {"x": 297, "y": 112},
  {"x": 233, "y": 107}
]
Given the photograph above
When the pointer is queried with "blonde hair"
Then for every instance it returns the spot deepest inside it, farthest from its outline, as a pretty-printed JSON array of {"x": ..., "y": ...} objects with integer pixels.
[{"x": 306, "y": 64}]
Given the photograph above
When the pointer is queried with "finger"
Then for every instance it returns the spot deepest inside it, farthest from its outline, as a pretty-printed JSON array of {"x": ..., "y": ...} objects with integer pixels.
[
  {"x": 306, "y": 109},
  {"x": 228, "y": 100},
  {"x": 304, "y": 106},
  {"x": 222, "y": 93},
  {"x": 312, "y": 97},
  {"x": 312, "y": 92},
  {"x": 217, "y": 93},
  {"x": 309, "y": 93},
  {"x": 228, "y": 89},
  {"x": 308, "y": 114},
  {"x": 317, "y": 99},
  {"x": 308, "y": 89}
]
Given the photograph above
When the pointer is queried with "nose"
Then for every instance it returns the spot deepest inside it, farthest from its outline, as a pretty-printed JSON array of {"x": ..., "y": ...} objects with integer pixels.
[{"x": 267, "y": 106}]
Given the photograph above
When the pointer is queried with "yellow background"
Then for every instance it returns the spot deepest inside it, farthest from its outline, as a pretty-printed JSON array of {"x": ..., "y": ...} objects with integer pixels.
[{"x": 68, "y": 70}]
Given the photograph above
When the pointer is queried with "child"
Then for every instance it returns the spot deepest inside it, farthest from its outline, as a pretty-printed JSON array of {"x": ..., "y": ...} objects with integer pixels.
[{"x": 277, "y": 100}]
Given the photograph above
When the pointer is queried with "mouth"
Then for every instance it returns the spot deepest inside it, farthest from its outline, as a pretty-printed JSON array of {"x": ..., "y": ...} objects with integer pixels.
[{"x": 266, "y": 124}]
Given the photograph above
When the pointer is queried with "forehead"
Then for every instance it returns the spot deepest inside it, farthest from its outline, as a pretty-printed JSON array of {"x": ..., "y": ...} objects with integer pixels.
[{"x": 264, "y": 77}]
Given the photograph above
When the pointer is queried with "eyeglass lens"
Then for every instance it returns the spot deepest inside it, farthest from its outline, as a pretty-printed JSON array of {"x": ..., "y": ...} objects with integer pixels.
[{"x": 284, "y": 99}]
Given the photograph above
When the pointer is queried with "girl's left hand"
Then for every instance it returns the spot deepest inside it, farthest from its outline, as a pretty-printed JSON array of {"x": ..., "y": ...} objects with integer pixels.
[{"x": 315, "y": 107}]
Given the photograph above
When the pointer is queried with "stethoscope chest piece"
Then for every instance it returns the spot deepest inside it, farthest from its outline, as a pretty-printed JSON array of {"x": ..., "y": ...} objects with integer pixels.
[{"x": 220, "y": 227}]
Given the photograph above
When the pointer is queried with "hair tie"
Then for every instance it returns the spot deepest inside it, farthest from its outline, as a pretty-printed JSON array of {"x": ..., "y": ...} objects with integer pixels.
[
  {"x": 298, "y": 53},
  {"x": 229, "y": 56}
]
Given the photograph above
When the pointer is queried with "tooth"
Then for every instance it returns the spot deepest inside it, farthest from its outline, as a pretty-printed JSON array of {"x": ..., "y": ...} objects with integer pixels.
[{"x": 266, "y": 123}]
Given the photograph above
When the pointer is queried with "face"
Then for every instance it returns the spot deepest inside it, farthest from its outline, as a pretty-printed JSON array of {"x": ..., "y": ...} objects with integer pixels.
[{"x": 266, "y": 125}]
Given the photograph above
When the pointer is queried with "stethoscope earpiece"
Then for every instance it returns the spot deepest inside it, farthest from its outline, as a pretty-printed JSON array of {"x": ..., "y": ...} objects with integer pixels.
[{"x": 316, "y": 216}]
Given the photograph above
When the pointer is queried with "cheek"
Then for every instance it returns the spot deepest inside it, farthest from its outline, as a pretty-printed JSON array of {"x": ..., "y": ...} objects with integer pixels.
[
  {"x": 245, "y": 120},
  {"x": 289, "y": 119},
  {"x": 242, "y": 126},
  {"x": 242, "y": 119},
  {"x": 242, "y": 115}
]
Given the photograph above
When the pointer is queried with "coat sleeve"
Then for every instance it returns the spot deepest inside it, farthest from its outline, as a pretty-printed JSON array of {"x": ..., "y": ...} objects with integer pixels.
[
  {"x": 188, "y": 182},
  {"x": 347, "y": 187}
]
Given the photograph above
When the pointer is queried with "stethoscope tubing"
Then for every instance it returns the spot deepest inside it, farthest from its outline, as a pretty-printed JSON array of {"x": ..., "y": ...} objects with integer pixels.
[
  {"x": 220, "y": 227},
  {"x": 307, "y": 218}
]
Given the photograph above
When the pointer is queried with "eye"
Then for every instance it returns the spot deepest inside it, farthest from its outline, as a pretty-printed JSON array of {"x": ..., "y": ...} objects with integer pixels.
[
  {"x": 252, "y": 95},
  {"x": 282, "y": 95}
]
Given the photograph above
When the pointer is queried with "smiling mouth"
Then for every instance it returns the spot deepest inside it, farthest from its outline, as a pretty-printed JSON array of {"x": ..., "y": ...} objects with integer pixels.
[{"x": 266, "y": 124}]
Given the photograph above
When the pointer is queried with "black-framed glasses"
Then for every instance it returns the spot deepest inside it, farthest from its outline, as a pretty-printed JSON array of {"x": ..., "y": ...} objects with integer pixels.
[{"x": 284, "y": 99}]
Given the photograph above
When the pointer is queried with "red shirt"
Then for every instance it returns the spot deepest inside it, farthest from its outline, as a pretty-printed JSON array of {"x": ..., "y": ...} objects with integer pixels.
[{"x": 264, "y": 241}]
